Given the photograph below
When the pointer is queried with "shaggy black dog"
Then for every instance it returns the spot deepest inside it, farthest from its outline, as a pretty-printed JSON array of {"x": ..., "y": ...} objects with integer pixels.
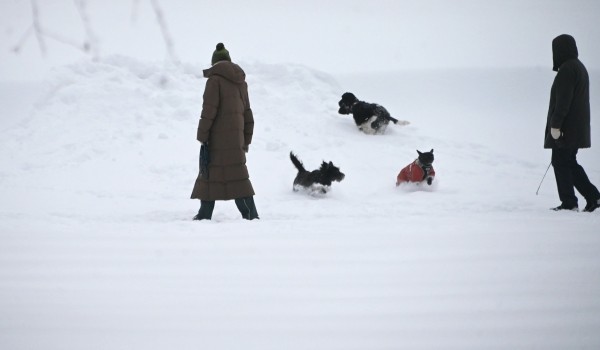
[
  {"x": 316, "y": 181},
  {"x": 370, "y": 118}
]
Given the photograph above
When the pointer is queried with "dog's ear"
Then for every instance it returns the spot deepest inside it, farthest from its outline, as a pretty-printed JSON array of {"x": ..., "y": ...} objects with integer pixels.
[
  {"x": 431, "y": 151},
  {"x": 349, "y": 98}
]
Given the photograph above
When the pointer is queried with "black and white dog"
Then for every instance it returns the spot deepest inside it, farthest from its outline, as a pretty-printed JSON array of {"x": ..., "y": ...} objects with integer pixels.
[
  {"x": 370, "y": 118},
  {"x": 317, "y": 181}
]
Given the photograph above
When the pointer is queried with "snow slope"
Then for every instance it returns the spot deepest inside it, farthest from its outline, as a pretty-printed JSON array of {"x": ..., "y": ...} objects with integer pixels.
[{"x": 98, "y": 251}]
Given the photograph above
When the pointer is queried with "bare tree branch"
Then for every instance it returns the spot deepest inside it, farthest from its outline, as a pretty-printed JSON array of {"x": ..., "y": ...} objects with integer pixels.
[
  {"x": 37, "y": 27},
  {"x": 41, "y": 34},
  {"x": 91, "y": 43},
  {"x": 17, "y": 48},
  {"x": 165, "y": 31}
]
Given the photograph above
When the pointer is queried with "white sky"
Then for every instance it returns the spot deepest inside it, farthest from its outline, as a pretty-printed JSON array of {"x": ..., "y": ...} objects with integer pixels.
[{"x": 335, "y": 36}]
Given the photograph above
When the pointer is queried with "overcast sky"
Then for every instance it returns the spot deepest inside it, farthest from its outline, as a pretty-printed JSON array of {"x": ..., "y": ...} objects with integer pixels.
[{"x": 335, "y": 36}]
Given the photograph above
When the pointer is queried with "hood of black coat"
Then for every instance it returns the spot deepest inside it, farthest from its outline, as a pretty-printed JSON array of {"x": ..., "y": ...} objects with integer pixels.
[
  {"x": 564, "y": 48},
  {"x": 227, "y": 70}
]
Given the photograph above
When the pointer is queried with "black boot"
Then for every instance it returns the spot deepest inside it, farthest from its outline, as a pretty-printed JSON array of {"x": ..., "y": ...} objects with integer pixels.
[
  {"x": 565, "y": 207},
  {"x": 592, "y": 205},
  {"x": 206, "y": 210},
  {"x": 247, "y": 207}
]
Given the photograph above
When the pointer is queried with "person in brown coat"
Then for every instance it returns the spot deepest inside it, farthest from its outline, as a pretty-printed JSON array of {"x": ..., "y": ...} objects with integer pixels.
[{"x": 225, "y": 129}]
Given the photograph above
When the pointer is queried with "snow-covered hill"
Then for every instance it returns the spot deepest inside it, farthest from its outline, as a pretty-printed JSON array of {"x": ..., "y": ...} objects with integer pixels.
[{"x": 98, "y": 248}]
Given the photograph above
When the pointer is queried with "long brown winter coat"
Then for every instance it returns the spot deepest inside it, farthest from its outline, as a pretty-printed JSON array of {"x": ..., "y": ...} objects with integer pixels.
[{"x": 226, "y": 124}]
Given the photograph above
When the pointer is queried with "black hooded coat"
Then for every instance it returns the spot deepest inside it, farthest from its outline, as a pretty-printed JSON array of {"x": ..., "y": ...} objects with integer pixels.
[{"x": 569, "y": 108}]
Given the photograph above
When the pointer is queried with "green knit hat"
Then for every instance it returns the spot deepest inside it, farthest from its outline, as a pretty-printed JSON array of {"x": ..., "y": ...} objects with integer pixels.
[{"x": 220, "y": 54}]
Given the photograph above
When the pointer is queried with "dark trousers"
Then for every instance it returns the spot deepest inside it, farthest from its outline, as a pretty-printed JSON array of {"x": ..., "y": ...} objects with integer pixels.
[
  {"x": 570, "y": 174},
  {"x": 245, "y": 205}
]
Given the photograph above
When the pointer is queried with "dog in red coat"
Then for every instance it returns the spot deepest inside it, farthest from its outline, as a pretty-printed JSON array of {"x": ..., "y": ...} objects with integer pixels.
[{"x": 421, "y": 170}]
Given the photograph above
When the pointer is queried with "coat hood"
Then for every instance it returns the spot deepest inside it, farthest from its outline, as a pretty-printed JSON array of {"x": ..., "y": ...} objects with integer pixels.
[
  {"x": 227, "y": 70},
  {"x": 564, "y": 48}
]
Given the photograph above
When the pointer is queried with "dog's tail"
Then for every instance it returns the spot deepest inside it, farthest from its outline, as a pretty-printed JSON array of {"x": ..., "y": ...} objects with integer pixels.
[
  {"x": 297, "y": 162},
  {"x": 392, "y": 119}
]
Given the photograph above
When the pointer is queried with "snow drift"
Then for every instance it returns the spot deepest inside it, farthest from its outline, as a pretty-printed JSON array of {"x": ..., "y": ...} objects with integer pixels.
[{"x": 98, "y": 249}]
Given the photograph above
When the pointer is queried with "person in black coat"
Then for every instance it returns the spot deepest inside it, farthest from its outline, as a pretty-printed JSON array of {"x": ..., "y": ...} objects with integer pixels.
[{"x": 568, "y": 125}]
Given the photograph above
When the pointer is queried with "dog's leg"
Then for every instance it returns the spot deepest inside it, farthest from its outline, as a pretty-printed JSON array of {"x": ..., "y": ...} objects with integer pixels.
[{"x": 375, "y": 125}]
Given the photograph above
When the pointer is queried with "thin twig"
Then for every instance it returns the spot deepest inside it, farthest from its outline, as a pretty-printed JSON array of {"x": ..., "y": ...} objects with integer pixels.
[
  {"x": 37, "y": 27},
  {"x": 165, "y": 31},
  {"x": 91, "y": 44},
  {"x": 17, "y": 48}
]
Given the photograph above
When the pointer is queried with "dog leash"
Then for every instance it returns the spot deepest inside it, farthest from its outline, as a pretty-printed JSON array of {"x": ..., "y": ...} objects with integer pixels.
[{"x": 538, "y": 190}]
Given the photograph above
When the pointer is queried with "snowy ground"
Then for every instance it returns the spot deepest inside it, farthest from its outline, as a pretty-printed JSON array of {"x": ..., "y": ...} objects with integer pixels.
[{"x": 98, "y": 250}]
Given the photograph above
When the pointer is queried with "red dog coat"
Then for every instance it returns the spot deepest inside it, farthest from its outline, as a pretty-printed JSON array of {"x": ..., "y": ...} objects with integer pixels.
[{"x": 414, "y": 172}]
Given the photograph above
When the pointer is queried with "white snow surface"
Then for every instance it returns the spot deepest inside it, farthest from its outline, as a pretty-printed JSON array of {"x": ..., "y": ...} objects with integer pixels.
[{"x": 98, "y": 249}]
